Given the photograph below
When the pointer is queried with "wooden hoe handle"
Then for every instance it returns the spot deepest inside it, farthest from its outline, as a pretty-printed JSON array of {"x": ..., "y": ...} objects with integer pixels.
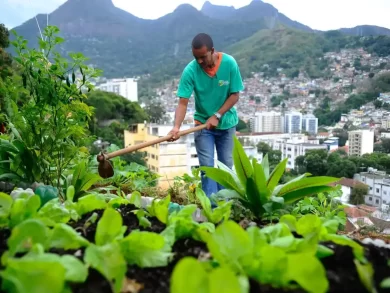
[{"x": 152, "y": 142}]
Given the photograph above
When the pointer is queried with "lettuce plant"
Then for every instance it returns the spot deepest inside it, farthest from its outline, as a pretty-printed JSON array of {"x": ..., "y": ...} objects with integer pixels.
[
  {"x": 257, "y": 188},
  {"x": 215, "y": 216}
]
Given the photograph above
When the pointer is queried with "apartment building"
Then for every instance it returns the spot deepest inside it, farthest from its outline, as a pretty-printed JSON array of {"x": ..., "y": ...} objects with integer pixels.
[
  {"x": 170, "y": 159},
  {"x": 292, "y": 150},
  {"x": 378, "y": 183},
  {"x": 268, "y": 122},
  {"x": 310, "y": 124},
  {"x": 293, "y": 122},
  {"x": 360, "y": 142},
  {"x": 127, "y": 87}
]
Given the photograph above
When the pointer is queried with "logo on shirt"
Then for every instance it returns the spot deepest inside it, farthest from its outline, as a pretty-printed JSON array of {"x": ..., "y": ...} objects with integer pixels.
[{"x": 223, "y": 82}]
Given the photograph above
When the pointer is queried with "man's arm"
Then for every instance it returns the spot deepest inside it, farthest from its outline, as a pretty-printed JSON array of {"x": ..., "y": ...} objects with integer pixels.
[
  {"x": 229, "y": 103},
  {"x": 180, "y": 112}
]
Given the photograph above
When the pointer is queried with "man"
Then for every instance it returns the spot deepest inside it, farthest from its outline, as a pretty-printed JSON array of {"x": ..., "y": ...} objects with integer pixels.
[{"x": 215, "y": 79}]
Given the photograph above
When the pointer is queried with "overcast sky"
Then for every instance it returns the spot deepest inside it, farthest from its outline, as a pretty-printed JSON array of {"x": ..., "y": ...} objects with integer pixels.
[{"x": 318, "y": 14}]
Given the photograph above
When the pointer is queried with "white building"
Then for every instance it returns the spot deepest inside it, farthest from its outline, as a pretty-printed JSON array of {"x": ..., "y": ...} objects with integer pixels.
[
  {"x": 378, "y": 187},
  {"x": 127, "y": 88},
  {"x": 293, "y": 150},
  {"x": 293, "y": 122},
  {"x": 360, "y": 142},
  {"x": 268, "y": 122},
  {"x": 310, "y": 124}
]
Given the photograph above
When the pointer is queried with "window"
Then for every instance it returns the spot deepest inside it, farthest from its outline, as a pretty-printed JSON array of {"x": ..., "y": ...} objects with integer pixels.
[
  {"x": 289, "y": 156},
  {"x": 153, "y": 156},
  {"x": 377, "y": 201},
  {"x": 194, "y": 156},
  {"x": 370, "y": 198},
  {"x": 377, "y": 190},
  {"x": 289, "y": 149},
  {"x": 385, "y": 192},
  {"x": 384, "y": 202},
  {"x": 370, "y": 188}
]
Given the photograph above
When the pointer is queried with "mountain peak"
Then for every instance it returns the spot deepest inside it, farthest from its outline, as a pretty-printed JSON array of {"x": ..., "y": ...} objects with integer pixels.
[
  {"x": 217, "y": 11},
  {"x": 186, "y": 8}
]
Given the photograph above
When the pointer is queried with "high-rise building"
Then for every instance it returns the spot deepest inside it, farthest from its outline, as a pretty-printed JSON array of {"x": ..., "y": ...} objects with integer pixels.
[
  {"x": 360, "y": 142},
  {"x": 293, "y": 122},
  {"x": 127, "y": 88},
  {"x": 267, "y": 122},
  {"x": 310, "y": 124}
]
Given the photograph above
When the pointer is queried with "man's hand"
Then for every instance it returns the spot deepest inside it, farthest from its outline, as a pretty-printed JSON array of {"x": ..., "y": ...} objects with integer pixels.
[
  {"x": 212, "y": 122},
  {"x": 175, "y": 132}
]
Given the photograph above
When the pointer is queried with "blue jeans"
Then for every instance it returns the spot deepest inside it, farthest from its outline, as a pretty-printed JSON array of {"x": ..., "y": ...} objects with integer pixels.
[{"x": 206, "y": 141}]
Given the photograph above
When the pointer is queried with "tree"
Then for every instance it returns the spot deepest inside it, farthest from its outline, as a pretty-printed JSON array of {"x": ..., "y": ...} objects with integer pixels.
[
  {"x": 241, "y": 125},
  {"x": 386, "y": 145},
  {"x": 358, "y": 193},
  {"x": 343, "y": 168},
  {"x": 109, "y": 106},
  {"x": 378, "y": 104},
  {"x": 263, "y": 148},
  {"x": 155, "y": 111}
]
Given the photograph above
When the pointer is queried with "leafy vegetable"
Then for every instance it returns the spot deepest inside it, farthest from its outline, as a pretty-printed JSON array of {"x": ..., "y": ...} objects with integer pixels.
[
  {"x": 109, "y": 261},
  {"x": 109, "y": 227},
  {"x": 191, "y": 276},
  {"x": 146, "y": 249},
  {"x": 257, "y": 189},
  {"x": 160, "y": 209},
  {"x": 216, "y": 215},
  {"x": 23, "y": 209},
  {"x": 91, "y": 202},
  {"x": 65, "y": 237}
]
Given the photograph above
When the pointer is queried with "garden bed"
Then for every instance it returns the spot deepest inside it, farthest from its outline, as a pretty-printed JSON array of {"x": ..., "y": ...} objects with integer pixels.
[{"x": 340, "y": 267}]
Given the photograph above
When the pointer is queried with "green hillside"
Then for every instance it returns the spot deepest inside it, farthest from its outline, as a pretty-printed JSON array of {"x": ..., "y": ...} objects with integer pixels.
[{"x": 290, "y": 49}]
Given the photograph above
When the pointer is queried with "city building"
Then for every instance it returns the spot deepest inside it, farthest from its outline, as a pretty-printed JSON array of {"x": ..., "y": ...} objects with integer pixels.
[
  {"x": 170, "y": 159},
  {"x": 360, "y": 142},
  {"x": 310, "y": 124},
  {"x": 293, "y": 122},
  {"x": 332, "y": 143},
  {"x": 127, "y": 88},
  {"x": 268, "y": 122},
  {"x": 378, "y": 183}
]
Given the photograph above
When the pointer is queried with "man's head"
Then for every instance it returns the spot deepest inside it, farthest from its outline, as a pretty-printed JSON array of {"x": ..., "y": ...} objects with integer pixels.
[{"x": 203, "y": 50}]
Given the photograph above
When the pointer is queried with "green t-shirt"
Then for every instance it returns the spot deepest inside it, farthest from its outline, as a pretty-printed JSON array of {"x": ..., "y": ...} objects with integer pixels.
[{"x": 212, "y": 92}]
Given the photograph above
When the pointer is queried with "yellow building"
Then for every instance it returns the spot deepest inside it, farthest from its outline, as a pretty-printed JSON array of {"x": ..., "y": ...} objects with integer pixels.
[{"x": 168, "y": 159}]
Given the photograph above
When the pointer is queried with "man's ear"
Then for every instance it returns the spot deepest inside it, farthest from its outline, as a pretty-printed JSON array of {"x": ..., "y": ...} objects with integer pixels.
[{"x": 212, "y": 50}]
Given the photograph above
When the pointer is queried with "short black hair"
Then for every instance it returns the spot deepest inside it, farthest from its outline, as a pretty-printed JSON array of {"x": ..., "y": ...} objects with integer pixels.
[{"x": 201, "y": 40}]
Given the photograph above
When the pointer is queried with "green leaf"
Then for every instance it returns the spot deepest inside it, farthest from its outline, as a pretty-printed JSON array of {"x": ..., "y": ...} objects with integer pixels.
[
  {"x": 26, "y": 234},
  {"x": 265, "y": 165},
  {"x": 305, "y": 183},
  {"x": 253, "y": 195},
  {"x": 70, "y": 192},
  {"x": 5, "y": 206},
  {"x": 65, "y": 237},
  {"x": 145, "y": 249},
  {"x": 136, "y": 199},
  {"x": 301, "y": 193},
  {"x": 290, "y": 221},
  {"x": 276, "y": 174},
  {"x": 23, "y": 209},
  {"x": 358, "y": 250},
  {"x": 230, "y": 245},
  {"x": 189, "y": 276},
  {"x": 91, "y": 202},
  {"x": 160, "y": 209},
  {"x": 224, "y": 178},
  {"x": 223, "y": 280},
  {"x": 242, "y": 164},
  {"x": 76, "y": 271},
  {"x": 323, "y": 251},
  {"x": 308, "y": 224},
  {"x": 109, "y": 227},
  {"x": 385, "y": 284},
  {"x": 107, "y": 260},
  {"x": 308, "y": 272},
  {"x": 31, "y": 275},
  {"x": 55, "y": 211},
  {"x": 366, "y": 275},
  {"x": 204, "y": 201},
  {"x": 223, "y": 167},
  {"x": 260, "y": 181}
]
